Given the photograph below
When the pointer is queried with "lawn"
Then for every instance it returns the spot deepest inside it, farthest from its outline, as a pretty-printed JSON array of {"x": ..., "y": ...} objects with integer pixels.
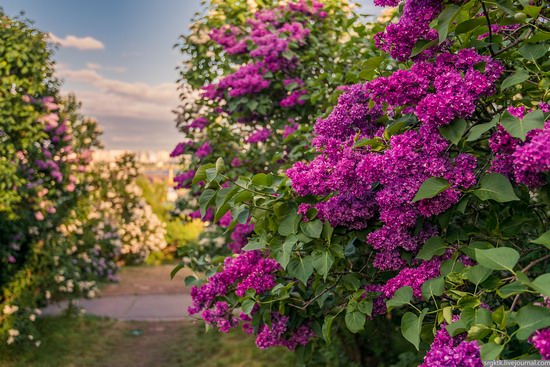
[{"x": 82, "y": 341}]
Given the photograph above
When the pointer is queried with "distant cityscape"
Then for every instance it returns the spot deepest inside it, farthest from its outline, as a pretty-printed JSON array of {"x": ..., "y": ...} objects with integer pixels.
[{"x": 159, "y": 158}]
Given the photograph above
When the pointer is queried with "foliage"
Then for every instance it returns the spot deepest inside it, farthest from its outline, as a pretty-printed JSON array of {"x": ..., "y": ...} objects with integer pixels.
[
  {"x": 300, "y": 55},
  {"x": 57, "y": 235},
  {"x": 426, "y": 199}
]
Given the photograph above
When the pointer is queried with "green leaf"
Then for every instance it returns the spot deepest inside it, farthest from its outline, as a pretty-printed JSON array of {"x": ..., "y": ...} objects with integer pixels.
[
  {"x": 433, "y": 246},
  {"x": 351, "y": 282},
  {"x": 256, "y": 243},
  {"x": 200, "y": 174},
  {"x": 469, "y": 25},
  {"x": 365, "y": 306},
  {"x": 511, "y": 289},
  {"x": 401, "y": 297},
  {"x": 247, "y": 306},
  {"x": 322, "y": 261},
  {"x": 220, "y": 165},
  {"x": 411, "y": 325},
  {"x": 478, "y": 274},
  {"x": 533, "y": 52},
  {"x": 500, "y": 258},
  {"x": 422, "y": 45},
  {"x": 494, "y": 186},
  {"x": 491, "y": 351},
  {"x": 283, "y": 256},
  {"x": 444, "y": 20},
  {"x": 289, "y": 225},
  {"x": 211, "y": 174},
  {"x": 470, "y": 250},
  {"x": 531, "y": 318},
  {"x": 518, "y": 77},
  {"x": 301, "y": 268},
  {"x": 433, "y": 288},
  {"x": 478, "y": 130},
  {"x": 468, "y": 301},
  {"x": 176, "y": 269},
  {"x": 454, "y": 131},
  {"x": 519, "y": 128},
  {"x": 189, "y": 280},
  {"x": 355, "y": 321},
  {"x": 544, "y": 239},
  {"x": 206, "y": 198},
  {"x": 375, "y": 143},
  {"x": 430, "y": 188},
  {"x": 542, "y": 284},
  {"x": 327, "y": 325},
  {"x": 313, "y": 228}
]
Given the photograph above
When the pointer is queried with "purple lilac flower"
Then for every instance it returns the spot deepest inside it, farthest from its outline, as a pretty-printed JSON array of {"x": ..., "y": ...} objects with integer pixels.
[
  {"x": 204, "y": 150},
  {"x": 249, "y": 270},
  {"x": 258, "y": 136},
  {"x": 541, "y": 341},
  {"x": 274, "y": 335},
  {"x": 447, "y": 351}
]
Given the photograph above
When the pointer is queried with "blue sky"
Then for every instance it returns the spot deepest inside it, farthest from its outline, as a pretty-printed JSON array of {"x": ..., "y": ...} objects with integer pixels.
[{"x": 120, "y": 61}]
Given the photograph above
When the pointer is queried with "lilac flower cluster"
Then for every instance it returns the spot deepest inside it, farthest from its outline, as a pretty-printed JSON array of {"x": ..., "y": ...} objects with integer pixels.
[
  {"x": 293, "y": 99},
  {"x": 221, "y": 316},
  {"x": 240, "y": 235},
  {"x": 447, "y": 351},
  {"x": 199, "y": 123},
  {"x": 290, "y": 129},
  {"x": 497, "y": 29},
  {"x": 541, "y": 340},
  {"x": 258, "y": 136},
  {"x": 274, "y": 335},
  {"x": 399, "y": 38},
  {"x": 180, "y": 148},
  {"x": 183, "y": 180},
  {"x": 204, "y": 150},
  {"x": 437, "y": 93},
  {"x": 269, "y": 37},
  {"x": 524, "y": 162},
  {"x": 249, "y": 270}
]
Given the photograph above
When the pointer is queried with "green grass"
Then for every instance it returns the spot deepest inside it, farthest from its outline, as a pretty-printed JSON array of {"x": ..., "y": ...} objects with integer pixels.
[{"x": 92, "y": 341}]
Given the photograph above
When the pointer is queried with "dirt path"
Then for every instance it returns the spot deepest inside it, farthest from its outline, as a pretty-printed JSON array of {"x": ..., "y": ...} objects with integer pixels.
[
  {"x": 144, "y": 293},
  {"x": 147, "y": 280}
]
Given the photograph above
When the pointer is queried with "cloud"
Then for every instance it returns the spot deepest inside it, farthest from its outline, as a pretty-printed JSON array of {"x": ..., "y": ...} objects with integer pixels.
[
  {"x": 116, "y": 69},
  {"x": 134, "y": 116},
  {"x": 81, "y": 43},
  {"x": 102, "y": 96}
]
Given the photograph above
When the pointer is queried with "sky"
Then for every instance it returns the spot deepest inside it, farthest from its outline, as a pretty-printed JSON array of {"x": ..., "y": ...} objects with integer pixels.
[{"x": 117, "y": 56}]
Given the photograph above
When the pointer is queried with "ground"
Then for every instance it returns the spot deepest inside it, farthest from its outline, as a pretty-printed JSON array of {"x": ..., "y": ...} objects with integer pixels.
[{"x": 87, "y": 340}]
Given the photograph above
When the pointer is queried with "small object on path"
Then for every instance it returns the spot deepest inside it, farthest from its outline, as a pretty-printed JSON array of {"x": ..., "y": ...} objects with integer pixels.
[{"x": 136, "y": 332}]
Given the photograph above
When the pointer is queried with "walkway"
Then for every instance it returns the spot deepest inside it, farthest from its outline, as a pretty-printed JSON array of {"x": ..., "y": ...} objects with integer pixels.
[{"x": 143, "y": 294}]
